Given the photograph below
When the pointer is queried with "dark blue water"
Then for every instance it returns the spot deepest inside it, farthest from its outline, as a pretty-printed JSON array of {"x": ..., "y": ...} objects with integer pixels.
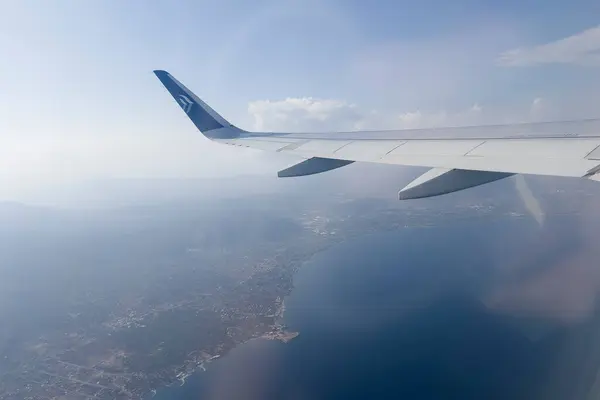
[{"x": 399, "y": 315}]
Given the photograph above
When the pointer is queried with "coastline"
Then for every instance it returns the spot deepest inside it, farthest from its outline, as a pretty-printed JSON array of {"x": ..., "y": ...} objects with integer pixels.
[{"x": 277, "y": 331}]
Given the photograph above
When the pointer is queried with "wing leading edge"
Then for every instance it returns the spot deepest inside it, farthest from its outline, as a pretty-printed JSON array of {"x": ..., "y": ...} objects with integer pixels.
[{"x": 462, "y": 157}]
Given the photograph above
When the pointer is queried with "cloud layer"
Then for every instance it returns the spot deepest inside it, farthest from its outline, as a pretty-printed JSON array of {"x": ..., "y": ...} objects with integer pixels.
[
  {"x": 311, "y": 114},
  {"x": 580, "y": 49}
]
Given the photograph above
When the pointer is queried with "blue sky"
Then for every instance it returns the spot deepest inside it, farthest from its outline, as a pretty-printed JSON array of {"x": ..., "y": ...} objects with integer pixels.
[{"x": 78, "y": 99}]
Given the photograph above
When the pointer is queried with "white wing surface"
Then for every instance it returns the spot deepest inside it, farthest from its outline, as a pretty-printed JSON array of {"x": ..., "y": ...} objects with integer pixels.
[{"x": 462, "y": 157}]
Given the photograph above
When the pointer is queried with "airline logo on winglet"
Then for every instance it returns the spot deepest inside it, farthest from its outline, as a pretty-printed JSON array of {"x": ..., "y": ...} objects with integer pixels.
[{"x": 186, "y": 103}]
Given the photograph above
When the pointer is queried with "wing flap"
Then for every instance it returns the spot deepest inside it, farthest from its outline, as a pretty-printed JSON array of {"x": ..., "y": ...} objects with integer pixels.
[
  {"x": 545, "y": 148},
  {"x": 322, "y": 146},
  {"x": 436, "y": 147},
  {"x": 375, "y": 148},
  {"x": 537, "y": 166}
]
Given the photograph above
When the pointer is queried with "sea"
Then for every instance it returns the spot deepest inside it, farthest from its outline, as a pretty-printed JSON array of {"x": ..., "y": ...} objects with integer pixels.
[{"x": 452, "y": 311}]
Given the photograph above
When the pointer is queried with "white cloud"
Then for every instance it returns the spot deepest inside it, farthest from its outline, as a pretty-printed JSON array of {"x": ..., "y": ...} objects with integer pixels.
[
  {"x": 303, "y": 114},
  {"x": 580, "y": 49},
  {"x": 312, "y": 115},
  {"x": 472, "y": 116}
]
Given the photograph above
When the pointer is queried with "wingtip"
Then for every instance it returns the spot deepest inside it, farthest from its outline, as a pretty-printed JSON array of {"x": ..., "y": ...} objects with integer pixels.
[{"x": 205, "y": 118}]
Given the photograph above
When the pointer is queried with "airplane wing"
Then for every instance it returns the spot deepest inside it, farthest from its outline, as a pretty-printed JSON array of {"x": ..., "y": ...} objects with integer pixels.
[{"x": 459, "y": 157}]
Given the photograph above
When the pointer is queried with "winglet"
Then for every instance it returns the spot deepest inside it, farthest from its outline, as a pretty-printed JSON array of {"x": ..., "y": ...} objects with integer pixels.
[{"x": 211, "y": 124}]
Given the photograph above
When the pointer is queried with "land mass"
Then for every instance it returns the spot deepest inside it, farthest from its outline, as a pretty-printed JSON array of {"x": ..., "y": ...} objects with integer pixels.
[{"x": 162, "y": 316}]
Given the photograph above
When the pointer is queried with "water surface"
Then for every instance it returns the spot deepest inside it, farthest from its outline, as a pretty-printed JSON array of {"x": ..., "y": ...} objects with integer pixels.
[{"x": 413, "y": 314}]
